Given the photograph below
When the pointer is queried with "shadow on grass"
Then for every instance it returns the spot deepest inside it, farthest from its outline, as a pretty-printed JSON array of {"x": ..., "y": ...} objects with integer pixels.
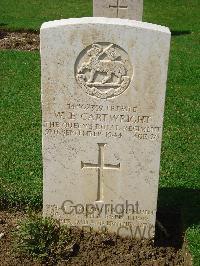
[
  {"x": 181, "y": 32},
  {"x": 178, "y": 209},
  {"x": 3, "y": 24}
]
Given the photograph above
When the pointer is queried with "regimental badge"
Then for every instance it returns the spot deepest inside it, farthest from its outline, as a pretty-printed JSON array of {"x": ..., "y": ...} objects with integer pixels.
[{"x": 103, "y": 70}]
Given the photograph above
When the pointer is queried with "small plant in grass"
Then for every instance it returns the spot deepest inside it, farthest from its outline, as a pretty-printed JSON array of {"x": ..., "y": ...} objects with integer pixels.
[{"x": 44, "y": 239}]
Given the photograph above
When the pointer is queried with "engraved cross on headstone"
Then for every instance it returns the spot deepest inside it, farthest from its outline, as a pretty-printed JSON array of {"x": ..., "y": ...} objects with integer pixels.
[
  {"x": 125, "y": 9},
  {"x": 101, "y": 166},
  {"x": 118, "y": 6}
]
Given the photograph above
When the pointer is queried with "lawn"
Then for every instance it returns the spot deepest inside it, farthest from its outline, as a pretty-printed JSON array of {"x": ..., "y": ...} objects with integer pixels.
[
  {"x": 21, "y": 165},
  {"x": 30, "y": 14}
]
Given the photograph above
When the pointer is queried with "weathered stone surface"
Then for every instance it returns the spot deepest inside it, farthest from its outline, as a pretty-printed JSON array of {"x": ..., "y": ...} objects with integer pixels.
[
  {"x": 127, "y": 9},
  {"x": 102, "y": 107}
]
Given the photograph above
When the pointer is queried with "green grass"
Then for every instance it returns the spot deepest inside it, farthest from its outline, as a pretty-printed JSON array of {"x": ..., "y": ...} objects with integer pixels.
[
  {"x": 30, "y": 14},
  {"x": 21, "y": 165},
  {"x": 193, "y": 237}
]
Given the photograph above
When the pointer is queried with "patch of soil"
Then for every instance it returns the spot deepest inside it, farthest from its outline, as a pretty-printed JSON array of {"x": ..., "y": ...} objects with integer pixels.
[
  {"x": 8, "y": 223},
  {"x": 28, "y": 41},
  {"x": 95, "y": 249}
]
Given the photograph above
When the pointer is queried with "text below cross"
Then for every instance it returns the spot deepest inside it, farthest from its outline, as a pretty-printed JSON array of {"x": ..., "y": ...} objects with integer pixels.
[
  {"x": 118, "y": 7},
  {"x": 101, "y": 166}
]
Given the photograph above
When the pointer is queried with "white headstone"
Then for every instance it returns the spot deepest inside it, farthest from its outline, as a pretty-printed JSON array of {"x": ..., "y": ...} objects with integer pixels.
[
  {"x": 102, "y": 107},
  {"x": 127, "y": 9}
]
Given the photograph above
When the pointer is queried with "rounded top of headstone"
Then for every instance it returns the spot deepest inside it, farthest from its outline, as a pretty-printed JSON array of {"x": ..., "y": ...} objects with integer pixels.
[{"x": 102, "y": 20}]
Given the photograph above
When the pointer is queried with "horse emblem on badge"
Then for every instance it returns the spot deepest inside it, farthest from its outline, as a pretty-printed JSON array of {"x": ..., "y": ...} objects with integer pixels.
[{"x": 103, "y": 70}]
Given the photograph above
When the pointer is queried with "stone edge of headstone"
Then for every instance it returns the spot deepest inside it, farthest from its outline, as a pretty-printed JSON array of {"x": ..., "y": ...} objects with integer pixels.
[{"x": 102, "y": 20}]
